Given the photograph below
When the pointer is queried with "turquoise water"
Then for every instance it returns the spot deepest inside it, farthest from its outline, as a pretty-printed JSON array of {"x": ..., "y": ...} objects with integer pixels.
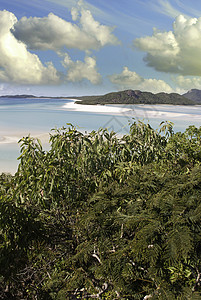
[{"x": 20, "y": 117}]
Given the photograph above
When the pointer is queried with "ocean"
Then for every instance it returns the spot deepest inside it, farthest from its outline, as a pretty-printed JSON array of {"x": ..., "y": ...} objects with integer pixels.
[{"x": 21, "y": 117}]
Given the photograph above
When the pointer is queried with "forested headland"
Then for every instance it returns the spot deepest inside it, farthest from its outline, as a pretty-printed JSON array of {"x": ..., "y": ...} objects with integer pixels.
[
  {"x": 139, "y": 97},
  {"x": 99, "y": 216}
]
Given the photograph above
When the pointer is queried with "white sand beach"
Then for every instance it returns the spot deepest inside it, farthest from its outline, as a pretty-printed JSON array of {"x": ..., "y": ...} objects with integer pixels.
[
  {"x": 14, "y": 139},
  {"x": 102, "y": 109},
  {"x": 141, "y": 111}
]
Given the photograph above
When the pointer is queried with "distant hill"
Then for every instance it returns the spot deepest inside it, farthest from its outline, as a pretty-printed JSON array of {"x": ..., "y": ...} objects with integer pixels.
[
  {"x": 18, "y": 96},
  {"x": 32, "y": 96},
  {"x": 194, "y": 95},
  {"x": 136, "y": 97}
]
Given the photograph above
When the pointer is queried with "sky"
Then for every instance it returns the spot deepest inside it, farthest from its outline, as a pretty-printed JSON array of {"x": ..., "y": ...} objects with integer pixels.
[{"x": 92, "y": 47}]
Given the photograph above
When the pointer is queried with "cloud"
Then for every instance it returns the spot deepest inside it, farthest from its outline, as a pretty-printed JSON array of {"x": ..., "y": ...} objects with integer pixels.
[
  {"x": 53, "y": 32},
  {"x": 17, "y": 64},
  {"x": 86, "y": 5},
  {"x": 188, "y": 8},
  {"x": 177, "y": 51},
  {"x": 78, "y": 71},
  {"x": 131, "y": 80},
  {"x": 166, "y": 8},
  {"x": 187, "y": 83}
]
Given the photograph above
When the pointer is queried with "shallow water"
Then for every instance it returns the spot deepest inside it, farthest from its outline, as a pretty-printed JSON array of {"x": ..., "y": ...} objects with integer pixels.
[{"x": 20, "y": 117}]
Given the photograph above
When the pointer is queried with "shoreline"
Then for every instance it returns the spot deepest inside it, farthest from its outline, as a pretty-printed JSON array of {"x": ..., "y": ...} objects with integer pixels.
[
  {"x": 97, "y": 108},
  {"x": 14, "y": 139},
  {"x": 128, "y": 111}
]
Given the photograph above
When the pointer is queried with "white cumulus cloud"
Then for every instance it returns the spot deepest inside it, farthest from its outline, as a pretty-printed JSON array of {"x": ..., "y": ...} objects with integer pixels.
[
  {"x": 177, "y": 51},
  {"x": 187, "y": 83},
  {"x": 131, "y": 80},
  {"x": 53, "y": 32},
  {"x": 17, "y": 64},
  {"x": 78, "y": 70}
]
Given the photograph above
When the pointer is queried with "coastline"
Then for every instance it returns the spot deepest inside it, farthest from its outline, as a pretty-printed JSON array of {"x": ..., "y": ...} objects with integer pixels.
[
  {"x": 14, "y": 139},
  {"x": 131, "y": 110},
  {"x": 98, "y": 108}
]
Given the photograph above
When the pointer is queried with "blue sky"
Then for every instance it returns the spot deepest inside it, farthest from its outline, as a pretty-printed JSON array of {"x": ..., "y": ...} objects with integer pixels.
[{"x": 68, "y": 47}]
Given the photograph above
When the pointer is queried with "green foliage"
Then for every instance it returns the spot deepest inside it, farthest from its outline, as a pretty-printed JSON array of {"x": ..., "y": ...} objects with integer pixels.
[
  {"x": 103, "y": 217},
  {"x": 137, "y": 97}
]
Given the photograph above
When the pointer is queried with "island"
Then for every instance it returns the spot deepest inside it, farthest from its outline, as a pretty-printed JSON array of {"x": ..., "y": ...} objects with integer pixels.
[{"x": 136, "y": 97}]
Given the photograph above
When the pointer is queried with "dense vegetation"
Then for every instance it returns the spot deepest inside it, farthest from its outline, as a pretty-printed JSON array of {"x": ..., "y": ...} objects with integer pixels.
[
  {"x": 103, "y": 217},
  {"x": 137, "y": 97}
]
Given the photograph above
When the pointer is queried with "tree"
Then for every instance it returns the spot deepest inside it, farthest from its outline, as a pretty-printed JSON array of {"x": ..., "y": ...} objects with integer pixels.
[{"x": 103, "y": 217}]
